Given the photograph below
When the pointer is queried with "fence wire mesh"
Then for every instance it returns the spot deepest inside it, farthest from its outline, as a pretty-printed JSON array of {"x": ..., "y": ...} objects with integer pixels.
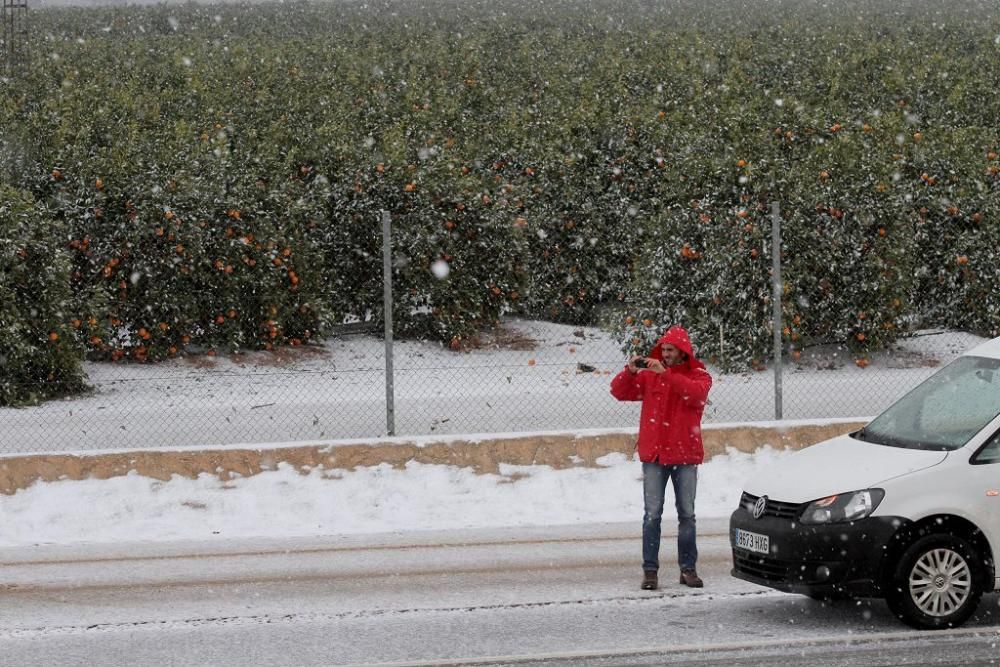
[{"x": 528, "y": 376}]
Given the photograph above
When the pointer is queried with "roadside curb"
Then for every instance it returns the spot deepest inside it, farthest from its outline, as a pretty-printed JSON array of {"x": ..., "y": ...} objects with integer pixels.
[{"x": 483, "y": 454}]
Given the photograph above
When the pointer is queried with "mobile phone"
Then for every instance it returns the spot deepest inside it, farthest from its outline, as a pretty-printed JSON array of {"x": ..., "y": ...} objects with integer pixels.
[{"x": 640, "y": 363}]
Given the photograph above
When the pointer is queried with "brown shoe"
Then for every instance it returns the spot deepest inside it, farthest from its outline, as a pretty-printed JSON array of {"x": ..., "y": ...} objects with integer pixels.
[
  {"x": 691, "y": 578},
  {"x": 649, "y": 582}
]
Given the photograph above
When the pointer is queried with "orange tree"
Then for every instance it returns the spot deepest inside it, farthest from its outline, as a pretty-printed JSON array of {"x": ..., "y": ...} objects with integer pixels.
[
  {"x": 221, "y": 172},
  {"x": 41, "y": 343}
]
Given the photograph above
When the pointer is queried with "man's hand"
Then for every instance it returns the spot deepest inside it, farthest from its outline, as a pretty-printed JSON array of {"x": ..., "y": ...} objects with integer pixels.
[
  {"x": 635, "y": 364},
  {"x": 655, "y": 365}
]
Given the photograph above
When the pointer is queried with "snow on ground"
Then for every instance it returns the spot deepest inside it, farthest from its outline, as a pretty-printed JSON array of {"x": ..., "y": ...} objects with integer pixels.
[
  {"x": 376, "y": 499},
  {"x": 533, "y": 385},
  {"x": 533, "y": 376}
]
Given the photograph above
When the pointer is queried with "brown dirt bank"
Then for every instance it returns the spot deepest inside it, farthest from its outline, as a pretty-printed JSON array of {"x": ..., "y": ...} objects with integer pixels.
[{"x": 556, "y": 450}]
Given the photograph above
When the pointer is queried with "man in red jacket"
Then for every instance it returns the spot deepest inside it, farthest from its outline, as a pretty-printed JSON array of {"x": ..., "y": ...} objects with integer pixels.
[{"x": 673, "y": 387}]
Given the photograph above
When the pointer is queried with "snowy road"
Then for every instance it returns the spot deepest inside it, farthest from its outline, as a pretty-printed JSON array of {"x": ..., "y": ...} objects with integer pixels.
[{"x": 566, "y": 595}]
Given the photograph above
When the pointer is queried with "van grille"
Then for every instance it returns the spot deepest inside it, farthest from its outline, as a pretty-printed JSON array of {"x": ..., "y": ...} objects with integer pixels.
[
  {"x": 769, "y": 569},
  {"x": 756, "y": 565},
  {"x": 774, "y": 508}
]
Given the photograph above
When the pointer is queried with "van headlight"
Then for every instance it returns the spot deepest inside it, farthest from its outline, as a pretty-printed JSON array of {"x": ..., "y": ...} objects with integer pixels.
[{"x": 842, "y": 507}]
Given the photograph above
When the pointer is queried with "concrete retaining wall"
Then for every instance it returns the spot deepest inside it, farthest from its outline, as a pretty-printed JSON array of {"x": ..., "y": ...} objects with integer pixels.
[{"x": 559, "y": 450}]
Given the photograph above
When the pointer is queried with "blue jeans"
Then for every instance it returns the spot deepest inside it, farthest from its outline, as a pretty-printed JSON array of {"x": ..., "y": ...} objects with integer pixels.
[{"x": 654, "y": 485}]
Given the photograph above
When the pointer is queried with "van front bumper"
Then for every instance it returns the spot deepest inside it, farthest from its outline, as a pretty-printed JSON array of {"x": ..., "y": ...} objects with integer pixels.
[{"x": 840, "y": 559}]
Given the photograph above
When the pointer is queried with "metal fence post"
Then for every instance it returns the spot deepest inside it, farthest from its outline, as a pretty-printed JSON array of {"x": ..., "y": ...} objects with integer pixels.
[
  {"x": 776, "y": 295},
  {"x": 390, "y": 412}
]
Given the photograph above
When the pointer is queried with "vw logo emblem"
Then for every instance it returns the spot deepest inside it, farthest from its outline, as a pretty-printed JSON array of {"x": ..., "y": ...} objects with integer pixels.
[{"x": 759, "y": 506}]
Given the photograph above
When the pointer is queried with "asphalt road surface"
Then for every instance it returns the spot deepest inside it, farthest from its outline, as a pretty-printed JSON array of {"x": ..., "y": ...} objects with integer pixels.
[{"x": 529, "y": 596}]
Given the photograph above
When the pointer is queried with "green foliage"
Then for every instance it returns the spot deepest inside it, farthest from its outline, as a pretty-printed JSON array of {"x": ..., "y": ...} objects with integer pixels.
[
  {"x": 40, "y": 346},
  {"x": 221, "y": 171}
]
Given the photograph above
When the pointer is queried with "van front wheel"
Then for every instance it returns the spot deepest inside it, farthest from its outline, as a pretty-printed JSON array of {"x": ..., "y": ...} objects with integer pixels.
[{"x": 937, "y": 583}]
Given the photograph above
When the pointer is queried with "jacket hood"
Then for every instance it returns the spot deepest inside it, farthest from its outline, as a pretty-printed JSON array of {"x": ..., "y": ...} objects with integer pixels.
[{"x": 678, "y": 337}]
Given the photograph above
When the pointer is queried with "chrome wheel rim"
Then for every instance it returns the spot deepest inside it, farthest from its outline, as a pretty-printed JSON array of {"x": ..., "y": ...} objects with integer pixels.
[{"x": 940, "y": 582}]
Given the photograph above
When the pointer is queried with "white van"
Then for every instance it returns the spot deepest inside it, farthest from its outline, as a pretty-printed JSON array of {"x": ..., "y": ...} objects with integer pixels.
[{"x": 906, "y": 509}]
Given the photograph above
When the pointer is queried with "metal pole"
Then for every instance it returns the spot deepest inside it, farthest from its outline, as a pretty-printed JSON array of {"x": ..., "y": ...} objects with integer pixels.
[
  {"x": 776, "y": 302},
  {"x": 390, "y": 411},
  {"x": 13, "y": 35}
]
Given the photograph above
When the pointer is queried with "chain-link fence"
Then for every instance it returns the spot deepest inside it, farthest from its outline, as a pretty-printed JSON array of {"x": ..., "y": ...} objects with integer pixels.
[{"x": 527, "y": 377}]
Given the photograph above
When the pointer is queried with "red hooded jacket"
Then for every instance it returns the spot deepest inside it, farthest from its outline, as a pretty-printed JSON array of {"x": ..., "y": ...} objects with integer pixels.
[{"x": 672, "y": 404}]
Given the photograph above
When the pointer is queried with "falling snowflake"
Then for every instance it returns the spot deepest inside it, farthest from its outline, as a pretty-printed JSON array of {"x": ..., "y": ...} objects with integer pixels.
[{"x": 440, "y": 269}]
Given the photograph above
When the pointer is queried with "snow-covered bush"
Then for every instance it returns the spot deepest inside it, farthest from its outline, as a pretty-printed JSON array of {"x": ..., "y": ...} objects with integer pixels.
[{"x": 40, "y": 346}]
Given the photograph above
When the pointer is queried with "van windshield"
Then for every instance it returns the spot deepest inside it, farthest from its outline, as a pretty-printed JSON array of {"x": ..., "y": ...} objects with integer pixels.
[{"x": 944, "y": 411}]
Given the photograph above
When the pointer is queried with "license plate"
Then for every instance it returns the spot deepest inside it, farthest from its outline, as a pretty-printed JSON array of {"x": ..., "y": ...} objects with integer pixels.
[{"x": 752, "y": 541}]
